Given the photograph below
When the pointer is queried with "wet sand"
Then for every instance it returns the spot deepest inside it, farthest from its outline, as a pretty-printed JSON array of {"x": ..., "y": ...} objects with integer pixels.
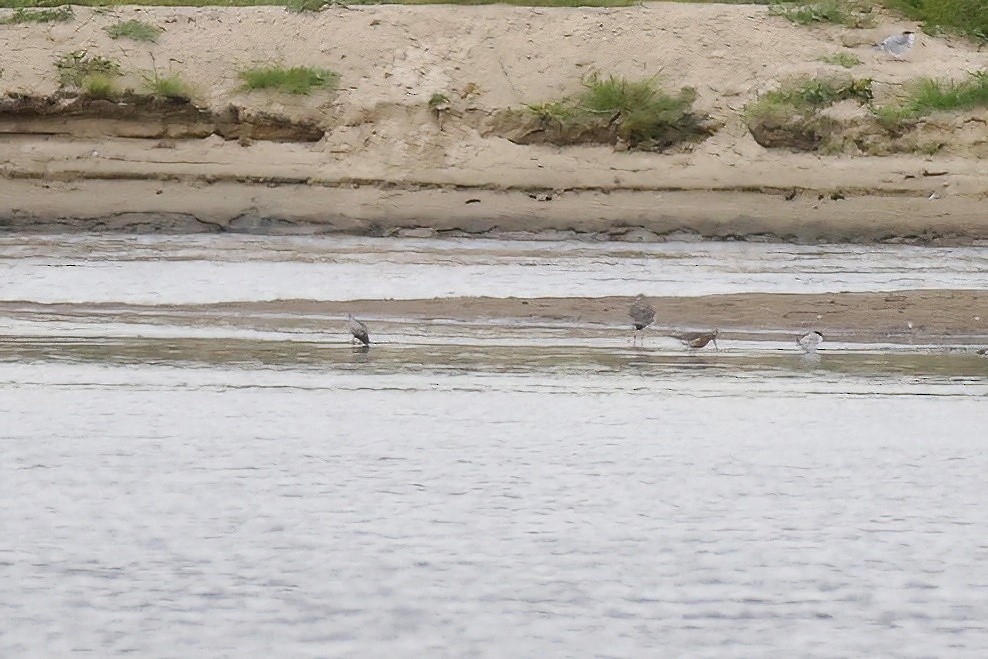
[
  {"x": 960, "y": 316},
  {"x": 852, "y": 316},
  {"x": 903, "y": 216}
]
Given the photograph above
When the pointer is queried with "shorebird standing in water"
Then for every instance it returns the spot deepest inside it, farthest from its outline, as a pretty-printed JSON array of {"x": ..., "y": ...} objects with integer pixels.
[
  {"x": 697, "y": 340},
  {"x": 358, "y": 330},
  {"x": 897, "y": 45},
  {"x": 642, "y": 314},
  {"x": 810, "y": 341}
]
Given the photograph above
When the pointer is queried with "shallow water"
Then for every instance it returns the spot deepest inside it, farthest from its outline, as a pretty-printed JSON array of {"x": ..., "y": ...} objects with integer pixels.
[
  {"x": 202, "y": 269},
  {"x": 190, "y": 488}
]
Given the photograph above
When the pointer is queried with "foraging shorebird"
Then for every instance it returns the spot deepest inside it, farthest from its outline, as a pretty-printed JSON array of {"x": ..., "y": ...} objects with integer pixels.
[
  {"x": 810, "y": 341},
  {"x": 358, "y": 329},
  {"x": 698, "y": 340},
  {"x": 642, "y": 314},
  {"x": 897, "y": 45}
]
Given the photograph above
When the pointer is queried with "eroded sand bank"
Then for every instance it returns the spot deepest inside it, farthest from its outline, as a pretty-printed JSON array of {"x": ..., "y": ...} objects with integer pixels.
[{"x": 387, "y": 163}]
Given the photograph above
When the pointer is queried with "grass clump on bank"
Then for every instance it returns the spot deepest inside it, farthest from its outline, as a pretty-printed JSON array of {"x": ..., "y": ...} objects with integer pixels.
[
  {"x": 135, "y": 31},
  {"x": 637, "y": 113},
  {"x": 294, "y": 80},
  {"x": 23, "y": 15},
  {"x": 804, "y": 94},
  {"x": 794, "y": 115},
  {"x": 802, "y": 116},
  {"x": 171, "y": 87},
  {"x": 968, "y": 17},
  {"x": 926, "y": 96},
  {"x": 100, "y": 86},
  {"x": 849, "y": 13},
  {"x": 301, "y": 6},
  {"x": 75, "y": 69}
]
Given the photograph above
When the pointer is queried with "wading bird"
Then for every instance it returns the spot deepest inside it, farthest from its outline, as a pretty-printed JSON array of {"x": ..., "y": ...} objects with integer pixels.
[
  {"x": 698, "y": 339},
  {"x": 897, "y": 45},
  {"x": 810, "y": 341},
  {"x": 642, "y": 314},
  {"x": 358, "y": 329}
]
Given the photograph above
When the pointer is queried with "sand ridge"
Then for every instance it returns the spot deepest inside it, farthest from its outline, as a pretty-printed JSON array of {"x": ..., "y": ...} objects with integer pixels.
[{"x": 902, "y": 317}]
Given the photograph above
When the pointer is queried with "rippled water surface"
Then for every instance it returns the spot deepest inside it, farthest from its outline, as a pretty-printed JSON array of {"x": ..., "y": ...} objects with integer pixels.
[
  {"x": 184, "y": 269},
  {"x": 194, "y": 489}
]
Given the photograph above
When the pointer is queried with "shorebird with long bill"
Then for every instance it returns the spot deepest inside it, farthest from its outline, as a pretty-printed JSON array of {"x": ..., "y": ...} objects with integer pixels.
[
  {"x": 358, "y": 330},
  {"x": 642, "y": 314},
  {"x": 697, "y": 340}
]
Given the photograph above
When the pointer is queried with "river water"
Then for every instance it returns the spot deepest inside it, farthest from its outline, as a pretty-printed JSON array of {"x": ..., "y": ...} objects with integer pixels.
[{"x": 185, "y": 488}]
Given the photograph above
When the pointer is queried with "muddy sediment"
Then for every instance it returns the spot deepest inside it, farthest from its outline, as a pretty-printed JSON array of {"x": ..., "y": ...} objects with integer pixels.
[{"x": 901, "y": 317}]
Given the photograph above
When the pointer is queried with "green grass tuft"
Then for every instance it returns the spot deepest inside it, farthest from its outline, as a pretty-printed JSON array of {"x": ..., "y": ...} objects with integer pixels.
[
  {"x": 645, "y": 110},
  {"x": 135, "y": 31},
  {"x": 847, "y": 60},
  {"x": 296, "y": 80},
  {"x": 76, "y": 67},
  {"x": 850, "y": 13},
  {"x": 792, "y": 116},
  {"x": 637, "y": 112},
  {"x": 925, "y": 96},
  {"x": 171, "y": 86},
  {"x": 968, "y": 17},
  {"x": 300, "y": 6},
  {"x": 100, "y": 86},
  {"x": 23, "y": 15},
  {"x": 438, "y": 102},
  {"x": 814, "y": 93}
]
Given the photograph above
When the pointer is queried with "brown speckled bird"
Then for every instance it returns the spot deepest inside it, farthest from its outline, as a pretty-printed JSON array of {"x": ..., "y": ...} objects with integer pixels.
[{"x": 698, "y": 339}]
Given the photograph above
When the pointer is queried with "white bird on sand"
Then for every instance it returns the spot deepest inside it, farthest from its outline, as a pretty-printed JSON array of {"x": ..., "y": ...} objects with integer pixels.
[
  {"x": 358, "y": 329},
  {"x": 642, "y": 314},
  {"x": 810, "y": 341},
  {"x": 898, "y": 44}
]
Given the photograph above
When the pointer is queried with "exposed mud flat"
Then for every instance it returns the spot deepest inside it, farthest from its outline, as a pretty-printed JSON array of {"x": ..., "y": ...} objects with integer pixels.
[
  {"x": 900, "y": 317},
  {"x": 903, "y": 317}
]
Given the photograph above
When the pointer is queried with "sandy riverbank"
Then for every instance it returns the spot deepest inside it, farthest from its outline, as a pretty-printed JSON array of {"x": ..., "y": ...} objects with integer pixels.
[{"x": 386, "y": 165}]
